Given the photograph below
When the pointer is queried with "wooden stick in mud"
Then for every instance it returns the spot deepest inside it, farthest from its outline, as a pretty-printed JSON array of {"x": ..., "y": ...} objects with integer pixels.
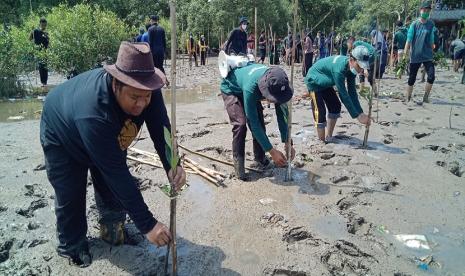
[
  {"x": 379, "y": 72},
  {"x": 392, "y": 48},
  {"x": 153, "y": 164},
  {"x": 216, "y": 159},
  {"x": 289, "y": 118},
  {"x": 173, "y": 144},
  {"x": 206, "y": 170},
  {"x": 370, "y": 98}
]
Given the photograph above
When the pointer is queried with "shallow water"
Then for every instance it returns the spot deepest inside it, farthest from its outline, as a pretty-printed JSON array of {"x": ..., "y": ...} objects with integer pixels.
[{"x": 29, "y": 109}]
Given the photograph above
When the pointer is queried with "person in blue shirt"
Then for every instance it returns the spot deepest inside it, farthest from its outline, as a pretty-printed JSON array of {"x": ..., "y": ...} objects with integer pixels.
[
  {"x": 145, "y": 35},
  {"x": 420, "y": 39},
  {"x": 237, "y": 41},
  {"x": 157, "y": 42},
  {"x": 88, "y": 123}
]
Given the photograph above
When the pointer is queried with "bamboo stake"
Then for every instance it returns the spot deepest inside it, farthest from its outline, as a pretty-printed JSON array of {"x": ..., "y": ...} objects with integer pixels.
[
  {"x": 215, "y": 159},
  {"x": 255, "y": 23},
  {"x": 392, "y": 48},
  {"x": 379, "y": 74},
  {"x": 370, "y": 100},
  {"x": 173, "y": 144},
  {"x": 153, "y": 164},
  {"x": 289, "y": 118}
]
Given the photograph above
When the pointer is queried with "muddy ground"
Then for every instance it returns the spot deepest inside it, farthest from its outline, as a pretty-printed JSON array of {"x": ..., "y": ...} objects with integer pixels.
[{"x": 338, "y": 217}]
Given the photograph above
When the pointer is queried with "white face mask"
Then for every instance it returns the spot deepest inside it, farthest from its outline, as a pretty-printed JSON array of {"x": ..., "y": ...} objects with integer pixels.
[
  {"x": 244, "y": 27},
  {"x": 354, "y": 71}
]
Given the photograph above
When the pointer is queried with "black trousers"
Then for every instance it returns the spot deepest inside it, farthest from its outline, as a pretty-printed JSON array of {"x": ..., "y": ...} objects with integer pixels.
[
  {"x": 413, "y": 68},
  {"x": 203, "y": 55},
  {"x": 158, "y": 59},
  {"x": 235, "y": 108},
  {"x": 43, "y": 72},
  {"x": 308, "y": 63},
  {"x": 69, "y": 180},
  {"x": 320, "y": 101}
]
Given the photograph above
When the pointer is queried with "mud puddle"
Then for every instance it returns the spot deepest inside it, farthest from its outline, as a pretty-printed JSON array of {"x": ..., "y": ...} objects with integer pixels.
[
  {"x": 18, "y": 110},
  {"x": 199, "y": 94}
]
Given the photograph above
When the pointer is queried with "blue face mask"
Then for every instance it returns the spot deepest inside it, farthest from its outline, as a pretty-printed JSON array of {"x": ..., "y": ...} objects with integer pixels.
[{"x": 354, "y": 71}]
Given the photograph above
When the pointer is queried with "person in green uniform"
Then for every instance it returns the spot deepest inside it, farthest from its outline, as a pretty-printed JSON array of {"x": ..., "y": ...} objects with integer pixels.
[
  {"x": 400, "y": 38},
  {"x": 420, "y": 39},
  {"x": 335, "y": 71},
  {"x": 242, "y": 91}
]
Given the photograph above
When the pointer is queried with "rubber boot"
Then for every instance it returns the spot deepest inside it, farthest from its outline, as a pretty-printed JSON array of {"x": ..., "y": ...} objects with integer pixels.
[
  {"x": 79, "y": 256},
  {"x": 113, "y": 233},
  {"x": 409, "y": 93},
  {"x": 239, "y": 168},
  {"x": 428, "y": 88}
]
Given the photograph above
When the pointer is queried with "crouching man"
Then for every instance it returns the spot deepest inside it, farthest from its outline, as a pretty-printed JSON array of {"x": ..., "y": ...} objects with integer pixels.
[
  {"x": 242, "y": 91},
  {"x": 336, "y": 71},
  {"x": 88, "y": 123}
]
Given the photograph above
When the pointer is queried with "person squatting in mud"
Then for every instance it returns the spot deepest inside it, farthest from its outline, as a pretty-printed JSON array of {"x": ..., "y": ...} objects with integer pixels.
[
  {"x": 88, "y": 123},
  {"x": 242, "y": 91},
  {"x": 335, "y": 71}
]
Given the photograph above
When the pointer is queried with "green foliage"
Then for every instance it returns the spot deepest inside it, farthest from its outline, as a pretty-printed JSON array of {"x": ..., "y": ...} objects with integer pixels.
[
  {"x": 168, "y": 149},
  {"x": 82, "y": 37}
]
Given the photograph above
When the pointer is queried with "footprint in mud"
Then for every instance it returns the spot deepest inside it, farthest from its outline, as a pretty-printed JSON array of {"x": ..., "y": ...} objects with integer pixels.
[
  {"x": 274, "y": 220},
  {"x": 454, "y": 168},
  {"x": 346, "y": 203},
  {"x": 385, "y": 123},
  {"x": 5, "y": 250},
  {"x": 37, "y": 242},
  {"x": 34, "y": 190},
  {"x": 296, "y": 234},
  {"x": 327, "y": 155},
  {"x": 29, "y": 211},
  {"x": 420, "y": 135},
  {"x": 437, "y": 148},
  {"x": 201, "y": 133},
  {"x": 357, "y": 224},
  {"x": 346, "y": 258},
  {"x": 283, "y": 272},
  {"x": 388, "y": 139},
  {"x": 389, "y": 186}
]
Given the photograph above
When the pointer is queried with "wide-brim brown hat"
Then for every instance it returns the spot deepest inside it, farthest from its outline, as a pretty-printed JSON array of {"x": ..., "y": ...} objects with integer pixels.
[{"x": 134, "y": 67}]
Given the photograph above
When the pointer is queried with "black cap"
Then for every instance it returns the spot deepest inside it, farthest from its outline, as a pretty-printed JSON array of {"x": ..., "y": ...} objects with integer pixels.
[
  {"x": 426, "y": 5},
  {"x": 243, "y": 19},
  {"x": 274, "y": 86},
  {"x": 154, "y": 17}
]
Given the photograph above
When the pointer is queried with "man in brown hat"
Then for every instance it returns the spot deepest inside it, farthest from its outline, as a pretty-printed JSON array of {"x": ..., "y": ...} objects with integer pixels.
[{"x": 88, "y": 123}]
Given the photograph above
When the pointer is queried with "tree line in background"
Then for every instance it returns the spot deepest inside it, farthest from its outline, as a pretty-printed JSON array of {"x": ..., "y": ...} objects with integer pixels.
[{"x": 84, "y": 33}]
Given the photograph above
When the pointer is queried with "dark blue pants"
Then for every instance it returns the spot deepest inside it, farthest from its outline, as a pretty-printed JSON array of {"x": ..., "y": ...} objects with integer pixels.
[{"x": 69, "y": 180}]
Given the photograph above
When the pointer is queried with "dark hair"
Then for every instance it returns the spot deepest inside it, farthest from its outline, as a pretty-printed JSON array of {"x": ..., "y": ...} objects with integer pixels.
[
  {"x": 409, "y": 18},
  {"x": 399, "y": 23},
  {"x": 147, "y": 26},
  {"x": 43, "y": 20},
  {"x": 118, "y": 84},
  {"x": 154, "y": 17}
]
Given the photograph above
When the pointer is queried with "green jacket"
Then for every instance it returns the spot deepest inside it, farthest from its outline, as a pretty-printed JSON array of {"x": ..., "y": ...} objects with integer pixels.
[
  {"x": 400, "y": 38},
  {"x": 243, "y": 82},
  {"x": 334, "y": 71}
]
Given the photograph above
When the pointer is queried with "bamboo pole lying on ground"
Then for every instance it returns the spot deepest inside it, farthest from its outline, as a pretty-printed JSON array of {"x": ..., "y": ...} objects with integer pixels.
[
  {"x": 216, "y": 159},
  {"x": 207, "y": 173}
]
